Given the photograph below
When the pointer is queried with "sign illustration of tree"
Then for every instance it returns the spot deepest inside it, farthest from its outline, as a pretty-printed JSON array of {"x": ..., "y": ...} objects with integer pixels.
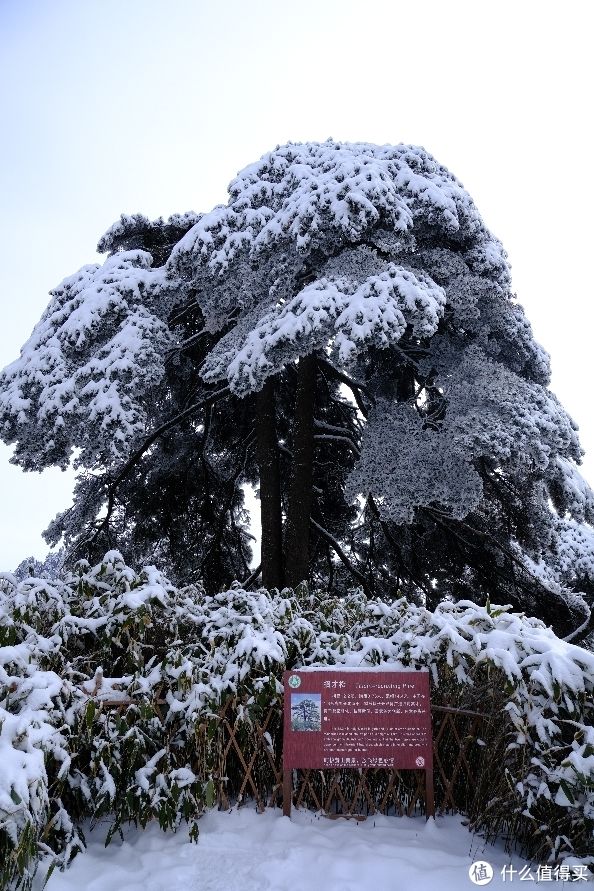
[
  {"x": 342, "y": 335},
  {"x": 306, "y": 712}
]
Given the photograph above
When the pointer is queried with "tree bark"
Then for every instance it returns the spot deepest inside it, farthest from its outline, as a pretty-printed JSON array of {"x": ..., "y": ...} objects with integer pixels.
[
  {"x": 301, "y": 487},
  {"x": 270, "y": 489}
]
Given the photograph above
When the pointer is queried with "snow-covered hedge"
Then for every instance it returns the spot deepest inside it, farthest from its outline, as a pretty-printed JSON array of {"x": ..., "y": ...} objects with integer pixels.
[{"x": 72, "y": 649}]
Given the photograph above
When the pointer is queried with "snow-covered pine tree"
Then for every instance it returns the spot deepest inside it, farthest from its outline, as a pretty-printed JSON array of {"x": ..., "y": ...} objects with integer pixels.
[
  {"x": 111, "y": 363},
  {"x": 49, "y": 568},
  {"x": 351, "y": 312}
]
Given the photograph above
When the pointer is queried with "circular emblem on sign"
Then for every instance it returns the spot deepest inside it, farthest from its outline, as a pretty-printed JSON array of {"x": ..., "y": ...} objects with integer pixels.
[
  {"x": 480, "y": 873},
  {"x": 294, "y": 681},
  {"x": 420, "y": 762}
]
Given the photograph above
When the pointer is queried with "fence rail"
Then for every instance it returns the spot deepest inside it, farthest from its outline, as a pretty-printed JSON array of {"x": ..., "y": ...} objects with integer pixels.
[
  {"x": 251, "y": 766},
  {"x": 248, "y": 764}
]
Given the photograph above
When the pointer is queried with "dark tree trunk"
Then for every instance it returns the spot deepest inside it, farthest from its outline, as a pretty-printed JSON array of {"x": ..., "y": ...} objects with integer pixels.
[
  {"x": 404, "y": 380},
  {"x": 300, "y": 491},
  {"x": 270, "y": 489}
]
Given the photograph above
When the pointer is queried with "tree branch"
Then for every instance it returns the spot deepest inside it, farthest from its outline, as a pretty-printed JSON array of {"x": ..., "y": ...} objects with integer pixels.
[
  {"x": 252, "y": 577},
  {"x": 355, "y": 387},
  {"x": 331, "y": 428},
  {"x": 113, "y": 486},
  {"x": 397, "y": 551},
  {"x": 580, "y": 632},
  {"x": 344, "y": 439},
  {"x": 342, "y": 556}
]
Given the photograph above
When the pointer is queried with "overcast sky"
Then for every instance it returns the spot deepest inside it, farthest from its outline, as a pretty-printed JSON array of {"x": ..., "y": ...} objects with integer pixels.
[{"x": 111, "y": 106}]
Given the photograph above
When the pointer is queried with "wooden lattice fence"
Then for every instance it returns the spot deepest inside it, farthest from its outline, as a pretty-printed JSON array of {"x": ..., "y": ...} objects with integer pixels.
[
  {"x": 239, "y": 748},
  {"x": 248, "y": 747}
]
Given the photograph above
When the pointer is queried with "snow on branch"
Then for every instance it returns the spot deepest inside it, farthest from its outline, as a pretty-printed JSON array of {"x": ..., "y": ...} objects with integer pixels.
[
  {"x": 311, "y": 195},
  {"x": 339, "y": 313},
  {"x": 71, "y": 387}
]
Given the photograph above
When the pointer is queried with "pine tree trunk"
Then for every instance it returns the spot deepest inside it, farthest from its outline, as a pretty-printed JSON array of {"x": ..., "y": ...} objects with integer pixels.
[
  {"x": 300, "y": 492},
  {"x": 404, "y": 383},
  {"x": 270, "y": 490}
]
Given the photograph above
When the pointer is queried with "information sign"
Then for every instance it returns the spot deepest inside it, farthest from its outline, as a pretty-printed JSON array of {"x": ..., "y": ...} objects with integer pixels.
[{"x": 364, "y": 718}]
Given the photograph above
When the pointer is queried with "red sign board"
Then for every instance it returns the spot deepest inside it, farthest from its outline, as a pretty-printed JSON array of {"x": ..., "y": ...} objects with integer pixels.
[{"x": 368, "y": 718}]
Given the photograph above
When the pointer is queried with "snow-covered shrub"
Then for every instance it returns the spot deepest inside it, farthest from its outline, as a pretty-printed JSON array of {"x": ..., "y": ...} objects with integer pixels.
[
  {"x": 111, "y": 684},
  {"x": 34, "y": 735},
  {"x": 69, "y": 651},
  {"x": 537, "y": 689}
]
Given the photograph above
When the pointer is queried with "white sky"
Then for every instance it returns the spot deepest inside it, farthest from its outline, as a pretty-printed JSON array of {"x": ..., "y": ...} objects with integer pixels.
[{"x": 111, "y": 106}]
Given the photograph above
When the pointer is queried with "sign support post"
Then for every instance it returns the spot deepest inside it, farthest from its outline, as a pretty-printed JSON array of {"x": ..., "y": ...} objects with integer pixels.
[
  {"x": 429, "y": 794},
  {"x": 287, "y": 792}
]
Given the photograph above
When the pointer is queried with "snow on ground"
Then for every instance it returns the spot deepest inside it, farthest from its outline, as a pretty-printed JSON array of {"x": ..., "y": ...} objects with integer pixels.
[{"x": 241, "y": 850}]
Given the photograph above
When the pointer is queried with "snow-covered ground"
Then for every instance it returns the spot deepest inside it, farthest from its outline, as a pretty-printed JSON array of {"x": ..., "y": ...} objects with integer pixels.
[{"x": 245, "y": 851}]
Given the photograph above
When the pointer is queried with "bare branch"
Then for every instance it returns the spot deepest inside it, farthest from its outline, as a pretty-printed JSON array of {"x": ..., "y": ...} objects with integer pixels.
[
  {"x": 344, "y": 439},
  {"x": 252, "y": 577},
  {"x": 354, "y": 386},
  {"x": 113, "y": 486},
  {"x": 331, "y": 428},
  {"x": 397, "y": 551},
  {"x": 342, "y": 556},
  {"x": 582, "y": 631}
]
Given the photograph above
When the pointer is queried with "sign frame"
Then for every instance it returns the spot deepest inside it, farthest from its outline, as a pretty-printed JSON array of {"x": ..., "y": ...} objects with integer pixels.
[{"x": 396, "y": 705}]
